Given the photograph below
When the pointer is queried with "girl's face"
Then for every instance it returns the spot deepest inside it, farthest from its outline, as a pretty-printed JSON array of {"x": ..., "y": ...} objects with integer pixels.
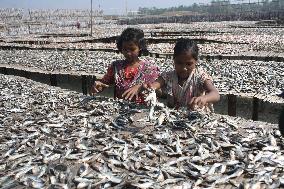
[
  {"x": 130, "y": 50},
  {"x": 184, "y": 64}
]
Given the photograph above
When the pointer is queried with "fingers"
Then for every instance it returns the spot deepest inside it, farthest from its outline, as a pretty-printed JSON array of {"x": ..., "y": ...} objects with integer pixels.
[
  {"x": 98, "y": 87},
  {"x": 100, "y": 84},
  {"x": 192, "y": 100},
  {"x": 196, "y": 101},
  {"x": 200, "y": 103},
  {"x": 130, "y": 95},
  {"x": 93, "y": 90},
  {"x": 104, "y": 85},
  {"x": 126, "y": 93},
  {"x": 192, "y": 103},
  {"x": 150, "y": 86},
  {"x": 145, "y": 85},
  {"x": 96, "y": 90}
]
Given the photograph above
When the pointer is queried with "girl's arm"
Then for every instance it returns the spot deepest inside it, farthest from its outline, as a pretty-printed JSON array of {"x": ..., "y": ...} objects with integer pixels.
[
  {"x": 133, "y": 91},
  {"x": 212, "y": 96},
  {"x": 159, "y": 83},
  {"x": 107, "y": 80}
]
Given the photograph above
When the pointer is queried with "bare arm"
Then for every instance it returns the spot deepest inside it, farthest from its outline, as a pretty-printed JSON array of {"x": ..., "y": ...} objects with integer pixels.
[
  {"x": 159, "y": 83},
  {"x": 107, "y": 80},
  {"x": 212, "y": 94},
  {"x": 133, "y": 91}
]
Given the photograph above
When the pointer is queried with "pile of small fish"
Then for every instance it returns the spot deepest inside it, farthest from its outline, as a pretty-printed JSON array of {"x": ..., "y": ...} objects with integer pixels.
[
  {"x": 258, "y": 39},
  {"x": 23, "y": 22},
  {"x": 52, "y": 138},
  {"x": 67, "y": 44},
  {"x": 263, "y": 80},
  {"x": 92, "y": 62},
  {"x": 17, "y": 22},
  {"x": 204, "y": 49}
]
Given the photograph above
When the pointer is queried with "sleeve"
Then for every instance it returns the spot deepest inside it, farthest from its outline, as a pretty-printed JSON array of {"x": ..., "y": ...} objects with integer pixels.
[
  {"x": 109, "y": 76},
  {"x": 150, "y": 72},
  {"x": 204, "y": 76},
  {"x": 168, "y": 78},
  {"x": 154, "y": 74}
]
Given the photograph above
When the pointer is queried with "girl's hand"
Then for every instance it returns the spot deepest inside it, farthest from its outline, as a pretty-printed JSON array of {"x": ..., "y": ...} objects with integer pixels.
[
  {"x": 131, "y": 92},
  {"x": 98, "y": 87},
  {"x": 197, "y": 101},
  {"x": 147, "y": 86}
]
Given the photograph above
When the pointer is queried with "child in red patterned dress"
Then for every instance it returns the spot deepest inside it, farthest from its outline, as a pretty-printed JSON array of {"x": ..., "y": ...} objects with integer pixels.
[{"x": 130, "y": 74}]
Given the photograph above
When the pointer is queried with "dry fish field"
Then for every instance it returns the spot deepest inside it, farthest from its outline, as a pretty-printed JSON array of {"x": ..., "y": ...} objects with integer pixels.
[
  {"x": 263, "y": 80},
  {"x": 55, "y": 138},
  {"x": 237, "y": 39},
  {"x": 59, "y": 61},
  {"x": 259, "y": 79}
]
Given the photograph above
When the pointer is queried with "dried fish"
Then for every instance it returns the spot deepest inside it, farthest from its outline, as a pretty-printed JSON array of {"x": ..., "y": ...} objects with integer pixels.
[{"x": 65, "y": 144}]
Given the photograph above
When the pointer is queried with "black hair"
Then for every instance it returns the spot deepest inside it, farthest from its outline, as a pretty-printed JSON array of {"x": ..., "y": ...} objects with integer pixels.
[
  {"x": 133, "y": 34},
  {"x": 184, "y": 45}
]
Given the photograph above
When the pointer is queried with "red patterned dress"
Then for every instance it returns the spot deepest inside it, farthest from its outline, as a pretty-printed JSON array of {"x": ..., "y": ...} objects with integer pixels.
[{"x": 125, "y": 77}]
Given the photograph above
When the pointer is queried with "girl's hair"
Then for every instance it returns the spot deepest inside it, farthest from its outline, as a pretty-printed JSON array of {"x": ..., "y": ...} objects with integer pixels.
[
  {"x": 137, "y": 36},
  {"x": 184, "y": 45}
]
